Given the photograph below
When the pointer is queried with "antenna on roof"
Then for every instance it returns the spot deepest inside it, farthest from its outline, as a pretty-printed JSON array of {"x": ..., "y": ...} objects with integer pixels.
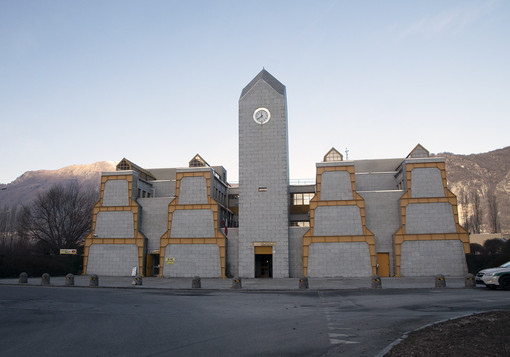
[{"x": 346, "y": 154}]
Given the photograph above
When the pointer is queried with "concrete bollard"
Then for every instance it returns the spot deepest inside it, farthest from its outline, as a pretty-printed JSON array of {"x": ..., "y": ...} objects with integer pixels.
[
  {"x": 137, "y": 280},
  {"x": 23, "y": 278},
  {"x": 195, "y": 283},
  {"x": 469, "y": 281},
  {"x": 303, "y": 282},
  {"x": 236, "y": 283},
  {"x": 69, "y": 280},
  {"x": 45, "y": 279},
  {"x": 440, "y": 281},
  {"x": 94, "y": 280},
  {"x": 376, "y": 282}
]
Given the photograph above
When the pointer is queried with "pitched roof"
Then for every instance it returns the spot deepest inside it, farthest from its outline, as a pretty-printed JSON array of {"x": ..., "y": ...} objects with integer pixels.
[{"x": 269, "y": 79}]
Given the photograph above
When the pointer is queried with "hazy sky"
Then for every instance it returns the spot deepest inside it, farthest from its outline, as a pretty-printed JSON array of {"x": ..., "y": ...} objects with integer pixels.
[{"x": 159, "y": 81}]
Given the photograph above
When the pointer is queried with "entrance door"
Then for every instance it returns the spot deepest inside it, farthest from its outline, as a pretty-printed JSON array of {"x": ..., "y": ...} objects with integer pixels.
[
  {"x": 263, "y": 262},
  {"x": 155, "y": 264},
  {"x": 383, "y": 264}
]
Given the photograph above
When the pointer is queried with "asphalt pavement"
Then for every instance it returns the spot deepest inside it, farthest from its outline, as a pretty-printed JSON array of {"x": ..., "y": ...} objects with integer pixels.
[{"x": 267, "y": 318}]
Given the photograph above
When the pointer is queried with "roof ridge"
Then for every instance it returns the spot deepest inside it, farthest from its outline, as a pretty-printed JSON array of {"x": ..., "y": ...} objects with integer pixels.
[{"x": 269, "y": 79}]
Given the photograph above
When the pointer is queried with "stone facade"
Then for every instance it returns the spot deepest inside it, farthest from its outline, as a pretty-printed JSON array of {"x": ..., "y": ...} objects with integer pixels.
[
  {"x": 112, "y": 259},
  {"x": 188, "y": 260},
  {"x": 263, "y": 175},
  {"x": 339, "y": 260},
  {"x": 391, "y": 217}
]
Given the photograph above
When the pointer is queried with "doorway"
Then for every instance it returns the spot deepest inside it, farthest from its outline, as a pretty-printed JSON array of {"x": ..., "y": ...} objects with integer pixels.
[
  {"x": 383, "y": 264},
  {"x": 263, "y": 262},
  {"x": 155, "y": 264}
]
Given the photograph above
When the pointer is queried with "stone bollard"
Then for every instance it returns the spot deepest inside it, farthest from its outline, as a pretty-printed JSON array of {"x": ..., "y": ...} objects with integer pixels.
[
  {"x": 137, "y": 280},
  {"x": 45, "y": 279},
  {"x": 69, "y": 280},
  {"x": 94, "y": 280},
  {"x": 440, "y": 281},
  {"x": 195, "y": 283},
  {"x": 23, "y": 278},
  {"x": 376, "y": 282},
  {"x": 303, "y": 282},
  {"x": 469, "y": 281},
  {"x": 236, "y": 283}
]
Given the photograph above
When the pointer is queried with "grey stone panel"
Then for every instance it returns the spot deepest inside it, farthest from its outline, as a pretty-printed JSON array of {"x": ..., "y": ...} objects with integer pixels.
[
  {"x": 191, "y": 260},
  {"x": 115, "y": 225},
  {"x": 336, "y": 186},
  {"x": 382, "y": 211},
  {"x": 193, "y": 190},
  {"x": 426, "y": 182},
  {"x": 233, "y": 252},
  {"x": 348, "y": 259},
  {"x": 428, "y": 258},
  {"x": 337, "y": 221},
  {"x": 112, "y": 259},
  {"x": 376, "y": 181},
  {"x": 192, "y": 224},
  {"x": 155, "y": 219},
  {"x": 164, "y": 188},
  {"x": 263, "y": 163},
  {"x": 427, "y": 218},
  {"x": 377, "y": 165},
  {"x": 296, "y": 251},
  {"x": 116, "y": 193}
]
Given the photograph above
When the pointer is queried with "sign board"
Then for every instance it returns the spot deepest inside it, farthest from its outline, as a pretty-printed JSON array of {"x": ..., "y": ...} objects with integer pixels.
[
  {"x": 170, "y": 260},
  {"x": 134, "y": 271},
  {"x": 68, "y": 251}
]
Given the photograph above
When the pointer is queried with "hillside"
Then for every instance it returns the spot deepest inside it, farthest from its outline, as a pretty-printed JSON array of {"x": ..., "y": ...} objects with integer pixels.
[
  {"x": 31, "y": 183},
  {"x": 479, "y": 172},
  {"x": 465, "y": 174}
]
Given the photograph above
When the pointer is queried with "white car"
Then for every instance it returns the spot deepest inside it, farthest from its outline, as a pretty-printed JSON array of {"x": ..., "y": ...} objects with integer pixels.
[{"x": 495, "y": 277}]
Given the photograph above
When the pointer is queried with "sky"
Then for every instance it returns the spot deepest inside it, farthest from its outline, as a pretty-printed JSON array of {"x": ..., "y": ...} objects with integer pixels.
[{"x": 159, "y": 81}]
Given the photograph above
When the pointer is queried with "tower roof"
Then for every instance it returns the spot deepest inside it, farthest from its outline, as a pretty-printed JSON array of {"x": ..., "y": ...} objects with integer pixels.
[{"x": 269, "y": 79}]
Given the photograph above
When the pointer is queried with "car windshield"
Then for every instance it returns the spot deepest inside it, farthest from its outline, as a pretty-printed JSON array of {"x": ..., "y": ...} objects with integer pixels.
[{"x": 506, "y": 265}]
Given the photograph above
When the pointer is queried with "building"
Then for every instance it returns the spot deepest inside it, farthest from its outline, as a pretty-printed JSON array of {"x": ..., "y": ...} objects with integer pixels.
[{"x": 391, "y": 217}]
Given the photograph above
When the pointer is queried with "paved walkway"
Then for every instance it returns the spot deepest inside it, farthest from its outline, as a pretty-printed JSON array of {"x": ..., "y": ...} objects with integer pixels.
[{"x": 250, "y": 284}]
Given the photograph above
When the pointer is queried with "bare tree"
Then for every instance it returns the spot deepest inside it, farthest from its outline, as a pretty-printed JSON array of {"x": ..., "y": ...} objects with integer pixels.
[
  {"x": 10, "y": 242},
  {"x": 463, "y": 200},
  {"x": 58, "y": 218},
  {"x": 476, "y": 217},
  {"x": 492, "y": 202}
]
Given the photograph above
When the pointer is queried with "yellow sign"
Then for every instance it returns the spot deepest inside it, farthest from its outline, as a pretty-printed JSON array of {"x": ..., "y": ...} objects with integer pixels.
[
  {"x": 170, "y": 260},
  {"x": 68, "y": 251}
]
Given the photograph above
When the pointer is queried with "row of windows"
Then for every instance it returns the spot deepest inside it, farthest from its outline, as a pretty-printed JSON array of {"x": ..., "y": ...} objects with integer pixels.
[
  {"x": 299, "y": 199},
  {"x": 143, "y": 194},
  {"x": 219, "y": 196},
  {"x": 299, "y": 224}
]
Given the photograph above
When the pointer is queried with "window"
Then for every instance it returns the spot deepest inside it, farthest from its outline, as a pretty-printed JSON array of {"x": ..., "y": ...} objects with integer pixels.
[
  {"x": 197, "y": 161},
  {"x": 123, "y": 165},
  {"x": 299, "y": 199},
  {"x": 333, "y": 155},
  {"x": 300, "y": 224}
]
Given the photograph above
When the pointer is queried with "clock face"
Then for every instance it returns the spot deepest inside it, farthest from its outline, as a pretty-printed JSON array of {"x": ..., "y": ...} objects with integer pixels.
[{"x": 261, "y": 115}]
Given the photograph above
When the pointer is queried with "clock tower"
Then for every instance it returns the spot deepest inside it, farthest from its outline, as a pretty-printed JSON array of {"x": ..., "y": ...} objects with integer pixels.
[{"x": 263, "y": 179}]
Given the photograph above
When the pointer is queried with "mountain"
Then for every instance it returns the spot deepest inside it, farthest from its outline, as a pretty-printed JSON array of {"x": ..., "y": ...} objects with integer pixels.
[
  {"x": 465, "y": 174},
  {"x": 26, "y": 187},
  {"x": 481, "y": 173}
]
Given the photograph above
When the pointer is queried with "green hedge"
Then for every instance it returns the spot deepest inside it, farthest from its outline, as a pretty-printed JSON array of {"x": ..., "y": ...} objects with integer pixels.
[{"x": 36, "y": 265}]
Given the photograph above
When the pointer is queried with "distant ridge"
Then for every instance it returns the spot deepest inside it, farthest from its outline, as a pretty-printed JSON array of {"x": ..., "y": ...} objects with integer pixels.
[
  {"x": 27, "y": 186},
  {"x": 465, "y": 173}
]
